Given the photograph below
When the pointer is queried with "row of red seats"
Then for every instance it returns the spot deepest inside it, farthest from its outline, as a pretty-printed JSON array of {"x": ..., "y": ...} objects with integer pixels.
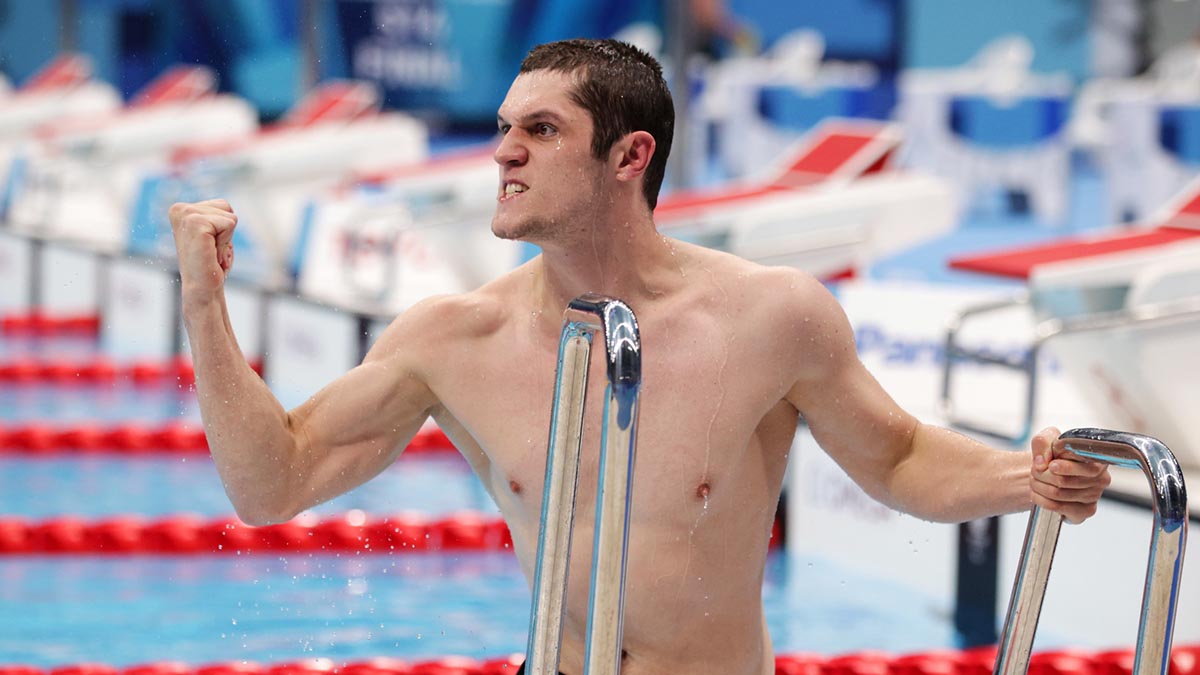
[{"x": 1185, "y": 660}]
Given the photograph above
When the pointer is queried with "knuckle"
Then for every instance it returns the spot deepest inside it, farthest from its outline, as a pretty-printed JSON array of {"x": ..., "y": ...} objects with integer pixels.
[{"x": 178, "y": 211}]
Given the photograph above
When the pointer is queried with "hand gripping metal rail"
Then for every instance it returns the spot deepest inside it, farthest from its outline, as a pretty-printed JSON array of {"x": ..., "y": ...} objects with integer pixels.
[
  {"x": 586, "y": 315},
  {"x": 1152, "y": 655}
]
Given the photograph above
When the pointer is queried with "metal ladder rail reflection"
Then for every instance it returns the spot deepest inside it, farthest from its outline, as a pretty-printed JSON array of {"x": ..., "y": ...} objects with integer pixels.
[
  {"x": 586, "y": 315},
  {"x": 1165, "y": 566}
]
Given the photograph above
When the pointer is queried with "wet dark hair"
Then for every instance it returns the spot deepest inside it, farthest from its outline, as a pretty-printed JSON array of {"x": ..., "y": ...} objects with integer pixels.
[{"x": 623, "y": 89}]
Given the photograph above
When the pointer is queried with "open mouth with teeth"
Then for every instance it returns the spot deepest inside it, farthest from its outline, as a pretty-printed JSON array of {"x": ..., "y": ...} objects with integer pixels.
[{"x": 512, "y": 190}]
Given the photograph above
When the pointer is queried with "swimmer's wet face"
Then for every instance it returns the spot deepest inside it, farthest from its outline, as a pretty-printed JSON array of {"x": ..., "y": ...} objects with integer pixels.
[
  {"x": 622, "y": 89},
  {"x": 551, "y": 185},
  {"x": 572, "y": 96}
]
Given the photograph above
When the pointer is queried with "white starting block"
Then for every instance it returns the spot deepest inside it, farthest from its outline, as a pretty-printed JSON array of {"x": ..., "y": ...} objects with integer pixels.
[
  {"x": 62, "y": 90},
  {"x": 269, "y": 177},
  {"x": 77, "y": 179},
  {"x": 1121, "y": 314},
  {"x": 832, "y": 204},
  {"x": 399, "y": 236}
]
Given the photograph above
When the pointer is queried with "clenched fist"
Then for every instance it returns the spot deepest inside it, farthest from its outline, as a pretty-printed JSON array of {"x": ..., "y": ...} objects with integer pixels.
[{"x": 204, "y": 247}]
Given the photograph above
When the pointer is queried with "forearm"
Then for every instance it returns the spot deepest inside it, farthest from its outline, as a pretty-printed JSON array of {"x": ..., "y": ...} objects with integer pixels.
[
  {"x": 947, "y": 477},
  {"x": 248, "y": 430}
]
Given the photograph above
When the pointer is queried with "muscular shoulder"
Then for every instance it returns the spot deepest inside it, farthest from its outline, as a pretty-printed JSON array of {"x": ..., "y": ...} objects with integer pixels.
[
  {"x": 803, "y": 323},
  {"x": 784, "y": 294},
  {"x": 442, "y": 322}
]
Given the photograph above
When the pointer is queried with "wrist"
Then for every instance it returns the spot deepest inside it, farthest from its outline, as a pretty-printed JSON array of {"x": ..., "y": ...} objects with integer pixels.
[{"x": 196, "y": 301}]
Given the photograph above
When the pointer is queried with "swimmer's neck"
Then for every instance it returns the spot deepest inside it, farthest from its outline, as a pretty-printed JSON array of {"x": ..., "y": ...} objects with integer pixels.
[{"x": 634, "y": 264}]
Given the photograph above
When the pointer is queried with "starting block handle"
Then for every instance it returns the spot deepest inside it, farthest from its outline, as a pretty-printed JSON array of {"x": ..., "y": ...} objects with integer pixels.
[{"x": 1163, "y": 571}]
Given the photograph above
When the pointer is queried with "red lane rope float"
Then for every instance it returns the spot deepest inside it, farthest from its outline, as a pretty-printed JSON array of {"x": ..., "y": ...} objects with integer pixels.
[
  {"x": 352, "y": 532},
  {"x": 1184, "y": 660},
  {"x": 170, "y": 438},
  {"x": 36, "y": 323},
  {"x": 99, "y": 371},
  {"x": 191, "y": 535}
]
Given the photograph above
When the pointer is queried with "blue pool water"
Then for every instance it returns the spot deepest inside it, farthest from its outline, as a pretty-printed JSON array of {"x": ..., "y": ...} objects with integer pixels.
[
  {"x": 108, "y": 403},
  {"x": 267, "y": 608},
  {"x": 98, "y": 486},
  {"x": 74, "y": 347}
]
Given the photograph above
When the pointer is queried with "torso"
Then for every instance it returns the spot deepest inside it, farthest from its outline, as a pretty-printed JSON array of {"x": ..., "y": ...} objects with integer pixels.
[{"x": 713, "y": 437}]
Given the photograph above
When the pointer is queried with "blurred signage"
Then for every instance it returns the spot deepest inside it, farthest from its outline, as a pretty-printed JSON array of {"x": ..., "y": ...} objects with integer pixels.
[{"x": 442, "y": 56}]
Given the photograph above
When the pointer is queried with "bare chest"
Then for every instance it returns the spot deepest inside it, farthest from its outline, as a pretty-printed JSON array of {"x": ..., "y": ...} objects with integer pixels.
[{"x": 710, "y": 419}]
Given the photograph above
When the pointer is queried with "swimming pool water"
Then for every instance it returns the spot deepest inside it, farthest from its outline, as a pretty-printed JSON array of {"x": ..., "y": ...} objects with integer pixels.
[
  {"x": 265, "y": 608},
  {"x": 99, "y": 486},
  {"x": 107, "y": 403}
]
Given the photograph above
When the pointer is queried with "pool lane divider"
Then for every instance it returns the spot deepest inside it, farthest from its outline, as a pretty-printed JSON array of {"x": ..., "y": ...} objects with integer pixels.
[
  {"x": 141, "y": 439},
  {"x": 30, "y": 371},
  {"x": 1185, "y": 660},
  {"x": 37, "y": 324},
  {"x": 192, "y": 535}
]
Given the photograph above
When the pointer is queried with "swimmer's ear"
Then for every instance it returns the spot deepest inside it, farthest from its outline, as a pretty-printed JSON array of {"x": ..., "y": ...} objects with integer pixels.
[{"x": 631, "y": 154}]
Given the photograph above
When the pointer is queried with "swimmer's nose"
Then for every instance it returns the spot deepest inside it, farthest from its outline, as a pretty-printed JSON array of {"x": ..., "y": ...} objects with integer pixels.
[{"x": 510, "y": 151}]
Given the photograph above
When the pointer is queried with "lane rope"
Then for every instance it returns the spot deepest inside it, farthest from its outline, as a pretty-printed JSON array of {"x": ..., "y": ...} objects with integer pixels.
[
  {"x": 352, "y": 531},
  {"x": 100, "y": 370},
  {"x": 1184, "y": 660},
  {"x": 141, "y": 439},
  {"x": 43, "y": 325}
]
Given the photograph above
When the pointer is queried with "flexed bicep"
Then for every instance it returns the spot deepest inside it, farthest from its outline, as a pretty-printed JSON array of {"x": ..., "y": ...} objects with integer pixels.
[{"x": 354, "y": 428}]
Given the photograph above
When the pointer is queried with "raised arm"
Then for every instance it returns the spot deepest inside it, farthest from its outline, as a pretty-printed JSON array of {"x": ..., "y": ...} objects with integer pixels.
[
  {"x": 276, "y": 463},
  {"x": 927, "y": 471}
]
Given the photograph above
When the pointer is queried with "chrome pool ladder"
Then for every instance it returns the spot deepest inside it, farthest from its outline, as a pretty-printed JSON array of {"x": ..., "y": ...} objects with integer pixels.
[
  {"x": 585, "y": 316},
  {"x": 1152, "y": 654}
]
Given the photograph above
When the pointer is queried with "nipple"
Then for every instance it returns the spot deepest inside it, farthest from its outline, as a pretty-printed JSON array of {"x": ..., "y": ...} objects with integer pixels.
[{"x": 515, "y": 487}]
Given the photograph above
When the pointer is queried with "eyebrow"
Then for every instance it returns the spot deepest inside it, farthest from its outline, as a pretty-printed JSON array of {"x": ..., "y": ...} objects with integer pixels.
[{"x": 534, "y": 117}]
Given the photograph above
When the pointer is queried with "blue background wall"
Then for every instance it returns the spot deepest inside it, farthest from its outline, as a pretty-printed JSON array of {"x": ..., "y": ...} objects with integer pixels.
[
  {"x": 457, "y": 56},
  {"x": 940, "y": 33}
]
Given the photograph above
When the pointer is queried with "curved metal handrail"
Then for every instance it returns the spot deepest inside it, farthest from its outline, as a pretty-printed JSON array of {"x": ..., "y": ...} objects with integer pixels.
[
  {"x": 1165, "y": 566},
  {"x": 586, "y": 315}
]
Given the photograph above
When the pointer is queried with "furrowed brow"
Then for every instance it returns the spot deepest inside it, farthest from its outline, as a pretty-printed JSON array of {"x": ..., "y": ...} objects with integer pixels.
[{"x": 532, "y": 118}]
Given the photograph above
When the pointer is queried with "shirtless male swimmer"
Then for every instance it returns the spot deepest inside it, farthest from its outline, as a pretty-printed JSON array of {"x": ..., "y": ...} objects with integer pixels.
[{"x": 735, "y": 354}]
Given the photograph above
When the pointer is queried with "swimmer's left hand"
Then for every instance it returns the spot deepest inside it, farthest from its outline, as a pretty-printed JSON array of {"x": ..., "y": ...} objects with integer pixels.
[{"x": 1071, "y": 486}]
